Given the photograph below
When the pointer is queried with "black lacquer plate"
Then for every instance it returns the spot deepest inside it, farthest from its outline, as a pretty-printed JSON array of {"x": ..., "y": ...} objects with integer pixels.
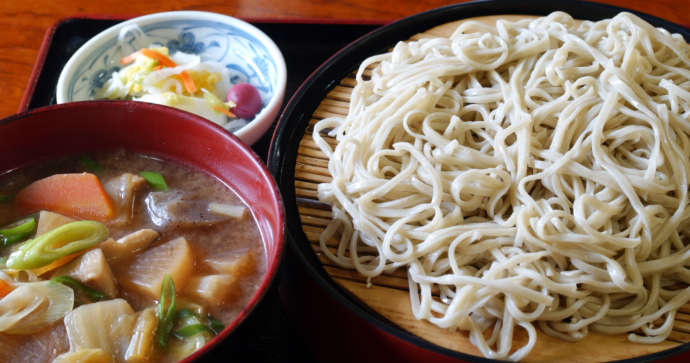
[{"x": 295, "y": 118}]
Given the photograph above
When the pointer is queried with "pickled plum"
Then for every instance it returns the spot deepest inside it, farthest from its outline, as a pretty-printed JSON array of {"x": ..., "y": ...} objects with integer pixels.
[{"x": 246, "y": 98}]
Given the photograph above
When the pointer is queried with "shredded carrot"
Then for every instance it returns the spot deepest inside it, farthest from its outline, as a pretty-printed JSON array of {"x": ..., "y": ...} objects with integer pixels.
[
  {"x": 78, "y": 195},
  {"x": 160, "y": 66},
  {"x": 187, "y": 81},
  {"x": 129, "y": 58},
  {"x": 161, "y": 58},
  {"x": 5, "y": 288},
  {"x": 223, "y": 110}
]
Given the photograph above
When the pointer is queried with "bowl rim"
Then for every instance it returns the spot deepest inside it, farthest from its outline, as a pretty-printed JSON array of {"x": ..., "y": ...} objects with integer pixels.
[
  {"x": 298, "y": 110},
  {"x": 273, "y": 266},
  {"x": 250, "y": 132}
]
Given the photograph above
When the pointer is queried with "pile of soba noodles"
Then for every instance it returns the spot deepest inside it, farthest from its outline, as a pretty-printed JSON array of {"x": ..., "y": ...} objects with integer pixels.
[{"x": 532, "y": 174}]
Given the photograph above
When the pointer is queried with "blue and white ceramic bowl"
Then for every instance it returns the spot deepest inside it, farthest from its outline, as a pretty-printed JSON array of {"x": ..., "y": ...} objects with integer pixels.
[{"x": 248, "y": 54}]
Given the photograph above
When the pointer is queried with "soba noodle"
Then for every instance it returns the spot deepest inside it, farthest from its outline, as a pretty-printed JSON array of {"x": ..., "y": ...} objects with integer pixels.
[{"x": 531, "y": 174}]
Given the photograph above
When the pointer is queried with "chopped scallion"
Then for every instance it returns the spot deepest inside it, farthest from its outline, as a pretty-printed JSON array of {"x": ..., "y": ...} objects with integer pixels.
[
  {"x": 40, "y": 251},
  {"x": 17, "y": 231},
  {"x": 92, "y": 294},
  {"x": 155, "y": 180},
  {"x": 165, "y": 311},
  {"x": 215, "y": 325},
  {"x": 184, "y": 314},
  {"x": 192, "y": 324},
  {"x": 191, "y": 330}
]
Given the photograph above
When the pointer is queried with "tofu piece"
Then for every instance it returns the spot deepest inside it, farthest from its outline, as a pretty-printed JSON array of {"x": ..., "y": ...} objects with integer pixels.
[
  {"x": 93, "y": 270},
  {"x": 129, "y": 245},
  {"x": 213, "y": 290},
  {"x": 122, "y": 190},
  {"x": 147, "y": 269},
  {"x": 91, "y": 355},
  {"x": 48, "y": 221}
]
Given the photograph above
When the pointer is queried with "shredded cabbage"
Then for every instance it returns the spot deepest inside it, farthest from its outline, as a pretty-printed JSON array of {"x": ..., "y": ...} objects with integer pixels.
[{"x": 142, "y": 81}]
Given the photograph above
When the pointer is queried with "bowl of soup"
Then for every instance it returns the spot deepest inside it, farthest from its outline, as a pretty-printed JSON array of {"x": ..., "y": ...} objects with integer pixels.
[{"x": 129, "y": 232}]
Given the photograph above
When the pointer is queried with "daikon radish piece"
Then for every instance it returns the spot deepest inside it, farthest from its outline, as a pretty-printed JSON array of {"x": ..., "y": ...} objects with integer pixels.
[
  {"x": 213, "y": 290},
  {"x": 145, "y": 273},
  {"x": 48, "y": 221},
  {"x": 232, "y": 264}
]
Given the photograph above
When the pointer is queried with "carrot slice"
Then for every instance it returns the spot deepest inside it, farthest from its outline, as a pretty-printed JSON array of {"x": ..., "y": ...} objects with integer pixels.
[
  {"x": 5, "y": 288},
  {"x": 222, "y": 110},
  {"x": 58, "y": 263},
  {"x": 79, "y": 195},
  {"x": 187, "y": 81},
  {"x": 129, "y": 58}
]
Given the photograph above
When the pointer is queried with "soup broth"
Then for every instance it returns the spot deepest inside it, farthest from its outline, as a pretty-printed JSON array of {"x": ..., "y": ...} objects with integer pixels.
[{"x": 197, "y": 231}]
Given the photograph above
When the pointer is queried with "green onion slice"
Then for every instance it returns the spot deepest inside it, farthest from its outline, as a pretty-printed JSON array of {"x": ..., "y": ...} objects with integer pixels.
[
  {"x": 40, "y": 251},
  {"x": 184, "y": 314},
  {"x": 192, "y": 324},
  {"x": 89, "y": 164},
  {"x": 155, "y": 180},
  {"x": 165, "y": 311},
  {"x": 191, "y": 330},
  {"x": 215, "y": 325},
  {"x": 92, "y": 294},
  {"x": 17, "y": 231}
]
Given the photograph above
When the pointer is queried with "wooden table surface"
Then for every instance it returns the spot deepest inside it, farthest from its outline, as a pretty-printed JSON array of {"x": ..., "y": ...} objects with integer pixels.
[{"x": 24, "y": 22}]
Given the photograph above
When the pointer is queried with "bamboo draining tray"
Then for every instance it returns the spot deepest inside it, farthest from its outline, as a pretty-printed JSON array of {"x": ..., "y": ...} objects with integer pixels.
[{"x": 388, "y": 294}]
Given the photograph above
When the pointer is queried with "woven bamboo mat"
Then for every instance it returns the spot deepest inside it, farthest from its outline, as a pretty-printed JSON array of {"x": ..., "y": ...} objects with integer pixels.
[{"x": 389, "y": 295}]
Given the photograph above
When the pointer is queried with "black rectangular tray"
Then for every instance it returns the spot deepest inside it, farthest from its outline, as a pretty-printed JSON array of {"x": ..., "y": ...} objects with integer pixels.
[{"x": 268, "y": 334}]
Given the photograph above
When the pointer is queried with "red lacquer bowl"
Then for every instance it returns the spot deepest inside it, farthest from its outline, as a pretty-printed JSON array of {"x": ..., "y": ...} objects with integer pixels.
[{"x": 157, "y": 131}]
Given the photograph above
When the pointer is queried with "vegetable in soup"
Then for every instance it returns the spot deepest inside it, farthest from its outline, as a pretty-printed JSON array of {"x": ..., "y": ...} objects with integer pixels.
[{"x": 120, "y": 257}]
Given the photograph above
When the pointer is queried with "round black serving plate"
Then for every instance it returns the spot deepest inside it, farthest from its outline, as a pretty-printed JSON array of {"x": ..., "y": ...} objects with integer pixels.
[{"x": 283, "y": 154}]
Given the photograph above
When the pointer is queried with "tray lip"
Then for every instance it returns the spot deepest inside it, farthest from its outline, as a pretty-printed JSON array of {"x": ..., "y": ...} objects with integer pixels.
[
  {"x": 47, "y": 41},
  {"x": 281, "y": 158},
  {"x": 40, "y": 61}
]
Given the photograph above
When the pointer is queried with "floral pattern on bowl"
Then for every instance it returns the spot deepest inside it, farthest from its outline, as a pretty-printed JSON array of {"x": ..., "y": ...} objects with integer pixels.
[{"x": 235, "y": 49}]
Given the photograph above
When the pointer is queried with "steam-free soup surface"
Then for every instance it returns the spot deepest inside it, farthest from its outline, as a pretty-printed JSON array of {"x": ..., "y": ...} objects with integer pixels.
[{"x": 198, "y": 232}]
